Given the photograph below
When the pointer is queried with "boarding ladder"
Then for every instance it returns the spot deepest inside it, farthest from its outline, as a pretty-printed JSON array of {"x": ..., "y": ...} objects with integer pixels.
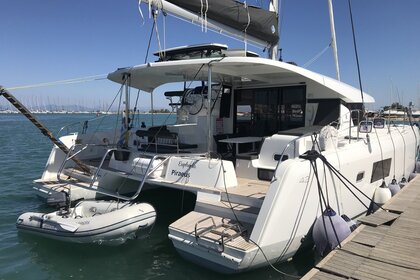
[
  {"x": 44, "y": 130},
  {"x": 218, "y": 234}
]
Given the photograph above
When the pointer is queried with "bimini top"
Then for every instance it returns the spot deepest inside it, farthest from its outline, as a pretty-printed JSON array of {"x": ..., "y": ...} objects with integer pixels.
[{"x": 239, "y": 72}]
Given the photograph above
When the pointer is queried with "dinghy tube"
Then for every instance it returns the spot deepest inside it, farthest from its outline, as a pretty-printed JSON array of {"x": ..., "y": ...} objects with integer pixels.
[{"x": 102, "y": 222}]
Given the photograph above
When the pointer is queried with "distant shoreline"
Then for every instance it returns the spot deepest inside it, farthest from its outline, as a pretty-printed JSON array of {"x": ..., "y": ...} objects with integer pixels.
[{"x": 79, "y": 113}]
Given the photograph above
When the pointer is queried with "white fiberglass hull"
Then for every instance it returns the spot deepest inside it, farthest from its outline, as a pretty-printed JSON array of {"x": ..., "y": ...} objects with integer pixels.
[
  {"x": 292, "y": 202},
  {"x": 103, "y": 222}
]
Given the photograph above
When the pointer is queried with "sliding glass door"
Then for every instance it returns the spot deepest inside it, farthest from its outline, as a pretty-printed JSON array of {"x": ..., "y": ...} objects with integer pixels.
[{"x": 266, "y": 111}]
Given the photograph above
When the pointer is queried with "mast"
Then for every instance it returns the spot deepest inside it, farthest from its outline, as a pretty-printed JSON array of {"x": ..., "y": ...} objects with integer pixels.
[{"x": 333, "y": 39}]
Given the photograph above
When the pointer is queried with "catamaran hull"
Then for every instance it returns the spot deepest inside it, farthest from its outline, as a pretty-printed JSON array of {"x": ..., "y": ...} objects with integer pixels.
[{"x": 291, "y": 204}]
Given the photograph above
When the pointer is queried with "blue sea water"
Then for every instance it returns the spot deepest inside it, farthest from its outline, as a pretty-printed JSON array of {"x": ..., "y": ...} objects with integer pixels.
[{"x": 24, "y": 152}]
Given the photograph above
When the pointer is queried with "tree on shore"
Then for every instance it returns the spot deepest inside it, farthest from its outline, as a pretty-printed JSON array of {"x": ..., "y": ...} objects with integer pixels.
[
  {"x": 160, "y": 111},
  {"x": 394, "y": 106}
]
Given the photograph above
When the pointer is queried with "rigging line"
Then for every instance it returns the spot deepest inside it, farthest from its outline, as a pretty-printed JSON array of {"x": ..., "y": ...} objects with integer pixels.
[
  {"x": 325, "y": 174},
  {"x": 402, "y": 136},
  {"x": 326, "y": 185},
  {"x": 133, "y": 167},
  {"x": 201, "y": 15},
  {"x": 299, "y": 216},
  {"x": 222, "y": 169},
  {"x": 141, "y": 12},
  {"x": 246, "y": 27},
  {"x": 145, "y": 151},
  {"x": 415, "y": 145},
  {"x": 217, "y": 97},
  {"x": 195, "y": 76},
  {"x": 281, "y": 7},
  {"x": 341, "y": 177},
  {"x": 150, "y": 144},
  {"x": 271, "y": 265},
  {"x": 382, "y": 155},
  {"x": 205, "y": 15},
  {"x": 150, "y": 40},
  {"x": 317, "y": 56},
  {"x": 109, "y": 108},
  {"x": 62, "y": 82},
  {"x": 237, "y": 220},
  {"x": 220, "y": 31},
  {"x": 135, "y": 109},
  {"x": 158, "y": 37},
  {"x": 164, "y": 34},
  {"x": 314, "y": 165},
  {"x": 357, "y": 56},
  {"x": 410, "y": 117},
  {"x": 118, "y": 115},
  {"x": 393, "y": 145}
]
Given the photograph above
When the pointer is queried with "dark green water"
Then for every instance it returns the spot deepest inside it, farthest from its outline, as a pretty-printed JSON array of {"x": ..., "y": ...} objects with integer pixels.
[{"x": 24, "y": 152}]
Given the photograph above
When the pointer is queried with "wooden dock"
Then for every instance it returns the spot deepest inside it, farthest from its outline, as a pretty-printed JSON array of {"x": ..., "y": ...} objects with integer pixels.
[{"x": 385, "y": 246}]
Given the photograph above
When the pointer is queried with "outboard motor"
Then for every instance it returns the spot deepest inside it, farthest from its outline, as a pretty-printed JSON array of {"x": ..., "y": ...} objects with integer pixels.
[
  {"x": 329, "y": 230},
  {"x": 394, "y": 187},
  {"x": 61, "y": 201}
]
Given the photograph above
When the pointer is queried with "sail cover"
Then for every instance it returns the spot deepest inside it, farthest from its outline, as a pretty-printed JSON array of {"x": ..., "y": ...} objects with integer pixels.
[{"x": 256, "y": 22}]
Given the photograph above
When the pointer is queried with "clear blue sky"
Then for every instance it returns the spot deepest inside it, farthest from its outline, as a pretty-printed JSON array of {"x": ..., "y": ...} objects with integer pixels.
[{"x": 50, "y": 40}]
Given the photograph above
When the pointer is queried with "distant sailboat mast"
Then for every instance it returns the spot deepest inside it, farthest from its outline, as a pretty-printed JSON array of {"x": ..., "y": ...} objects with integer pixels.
[{"x": 333, "y": 39}]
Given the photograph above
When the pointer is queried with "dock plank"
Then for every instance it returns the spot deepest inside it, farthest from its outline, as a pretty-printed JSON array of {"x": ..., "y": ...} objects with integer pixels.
[
  {"x": 379, "y": 218},
  {"x": 385, "y": 246}
]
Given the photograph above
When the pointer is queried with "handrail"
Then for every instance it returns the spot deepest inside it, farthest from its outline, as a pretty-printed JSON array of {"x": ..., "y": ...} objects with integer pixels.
[
  {"x": 148, "y": 172},
  {"x": 230, "y": 237},
  {"x": 100, "y": 166},
  {"x": 288, "y": 145},
  {"x": 68, "y": 157},
  {"x": 310, "y": 133},
  {"x": 205, "y": 229},
  {"x": 350, "y": 125},
  {"x": 74, "y": 123}
]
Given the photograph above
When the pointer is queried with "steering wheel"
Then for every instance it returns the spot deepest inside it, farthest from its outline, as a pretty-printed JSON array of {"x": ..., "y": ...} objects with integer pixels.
[{"x": 194, "y": 101}]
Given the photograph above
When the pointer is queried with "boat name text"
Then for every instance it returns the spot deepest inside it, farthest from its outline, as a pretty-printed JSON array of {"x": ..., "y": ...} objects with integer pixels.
[
  {"x": 187, "y": 164},
  {"x": 180, "y": 173}
]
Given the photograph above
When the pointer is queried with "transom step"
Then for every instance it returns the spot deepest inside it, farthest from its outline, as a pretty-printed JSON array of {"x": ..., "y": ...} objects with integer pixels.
[{"x": 212, "y": 232}]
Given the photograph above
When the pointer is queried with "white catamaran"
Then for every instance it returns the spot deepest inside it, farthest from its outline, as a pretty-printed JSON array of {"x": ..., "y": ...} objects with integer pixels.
[{"x": 240, "y": 143}]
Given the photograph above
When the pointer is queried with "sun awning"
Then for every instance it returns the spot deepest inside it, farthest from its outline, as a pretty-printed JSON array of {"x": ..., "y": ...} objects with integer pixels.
[{"x": 239, "y": 72}]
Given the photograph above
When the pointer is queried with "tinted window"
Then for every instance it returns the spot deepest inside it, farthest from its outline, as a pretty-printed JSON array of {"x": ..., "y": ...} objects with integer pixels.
[{"x": 380, "y": 169}]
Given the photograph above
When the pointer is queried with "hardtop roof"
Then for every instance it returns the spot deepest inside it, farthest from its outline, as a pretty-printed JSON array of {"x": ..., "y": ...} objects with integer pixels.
[{"x": 239, "y": 72}]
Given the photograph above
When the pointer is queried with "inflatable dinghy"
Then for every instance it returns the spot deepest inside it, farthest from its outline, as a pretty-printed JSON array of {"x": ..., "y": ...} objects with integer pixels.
[{"x": 108, "y": 222}]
